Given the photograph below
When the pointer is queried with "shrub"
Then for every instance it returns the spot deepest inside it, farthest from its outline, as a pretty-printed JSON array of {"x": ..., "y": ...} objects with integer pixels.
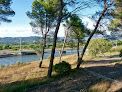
[
  {"x": 14, "y": 48},
  {"x": 1, "y": 66},
  {"x": 17, "y": 62},
  {"x": 120, "y": 53},
  {"x": 99, "y": 45},
  {"x": 62, "y": 67},
  {"x": 1, "y": 47},
  {"x": 116, "y": 49}
]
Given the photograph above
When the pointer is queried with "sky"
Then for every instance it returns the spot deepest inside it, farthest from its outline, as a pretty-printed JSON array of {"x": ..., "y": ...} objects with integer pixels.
[{"x": 19, "y": 27}]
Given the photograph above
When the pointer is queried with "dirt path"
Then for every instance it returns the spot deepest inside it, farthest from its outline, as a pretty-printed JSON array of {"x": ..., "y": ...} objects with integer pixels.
[{"x": 105, "y": 68}]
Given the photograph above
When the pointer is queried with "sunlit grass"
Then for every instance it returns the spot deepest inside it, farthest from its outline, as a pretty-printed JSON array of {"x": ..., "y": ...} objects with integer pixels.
[
  {"x": 31, "y": 70},
  {"x": 30, "y": 74}
]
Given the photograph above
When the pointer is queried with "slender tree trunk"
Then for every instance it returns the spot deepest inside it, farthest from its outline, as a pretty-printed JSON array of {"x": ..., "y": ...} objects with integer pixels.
[
  {"x": 43, "y": 48},
  {"x": 84, "y": 49},
  {"x": 55, "y": 38},
  {"x": 63, "y": 46},
  {"x": 78, "y": 50}
]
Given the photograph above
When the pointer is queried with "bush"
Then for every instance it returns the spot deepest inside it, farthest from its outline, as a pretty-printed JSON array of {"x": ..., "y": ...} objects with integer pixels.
[
  {"x": 1, "y": 66},
  {"x": 120, "y": 53},
  {"x": 17, "y": 63},
  {"x": 98, "y": 46},
  {"x": 116, "y": 49},
  {"x": 119, "y": 42},
  {"x": 62, "y": 67},
  {"x": 1, "y": 47},
  {"x": 14, "y": 48}
]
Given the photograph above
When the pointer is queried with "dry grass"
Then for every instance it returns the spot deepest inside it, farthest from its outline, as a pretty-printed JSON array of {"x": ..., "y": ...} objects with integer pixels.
[
  {"x": 31, "y": 70},
  {"x": 106, "y": 86}
]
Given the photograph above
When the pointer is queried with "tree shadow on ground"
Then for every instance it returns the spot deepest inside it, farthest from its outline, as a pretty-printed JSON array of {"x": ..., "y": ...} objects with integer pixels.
[
  {"x": 108, "y": 71},
  {"x": 78, "y": 80},
  {"x": 120, "y": 90},
  {"x": 113, "y": 56},
  {"x": 96, "y": 61}
]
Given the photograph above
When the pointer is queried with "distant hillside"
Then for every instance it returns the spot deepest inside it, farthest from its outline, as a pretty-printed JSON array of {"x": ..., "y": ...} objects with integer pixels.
[
  {"x": 32, "y": 39},
  {"x": 25, "y": 40},
  {"x": 16, "y": 40}
]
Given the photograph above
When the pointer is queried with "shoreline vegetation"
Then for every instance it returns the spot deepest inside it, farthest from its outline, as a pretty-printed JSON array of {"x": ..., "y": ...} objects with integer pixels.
[
  {"x": 7, "y": 55},
  {"x": 10, "y": 53},
  {"x": 27, "y": 75}
]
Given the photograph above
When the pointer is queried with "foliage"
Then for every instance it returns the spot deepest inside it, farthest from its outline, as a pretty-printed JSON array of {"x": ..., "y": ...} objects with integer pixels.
[
  {"x": 1, "y": 47},
  {"x": 116, "y": 49},
  {"x": 18, "y": 63},
  {"x": 62, "y": 67},
  {"x": 77, "y": 29},
  {"x": 120, "y": 53},
  {"x": 71, "y": 43},
  {"x": 1, "y": 66},
  {"x": 119, "y": 42},
  {"x": 5, "y": 10},
  {"x": 6, "y": 46},
  {"x": 99, "y": 45},
  {"x": 15, "y": 48},
  {"x": 58, "y": 45},
  {"x": 43, "y": 16},
  {"x": 116, "y": 23}
]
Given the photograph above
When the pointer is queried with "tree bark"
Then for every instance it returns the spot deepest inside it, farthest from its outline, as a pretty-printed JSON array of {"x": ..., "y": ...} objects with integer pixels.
[
  {"x": 43, "y": 48},
  {"x": 84, "y": 49},
  {"x": 63, "y": 46},
  {"x": 55, "y": 39},
  {"x": 78, "y": 50}
]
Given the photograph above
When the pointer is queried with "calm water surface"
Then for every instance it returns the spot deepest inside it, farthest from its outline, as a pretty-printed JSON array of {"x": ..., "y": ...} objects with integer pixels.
[{"x": 28, "y": 58}]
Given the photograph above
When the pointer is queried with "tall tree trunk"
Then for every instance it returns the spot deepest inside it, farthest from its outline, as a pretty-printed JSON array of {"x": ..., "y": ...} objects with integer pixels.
[
  {"x": 84, "y": 49},
  {"x": 43, "y": 48},
  {"x": 55, "y": 39},
  {"x": 63, "y": 46},
  {"x": 78, "y": 50}
]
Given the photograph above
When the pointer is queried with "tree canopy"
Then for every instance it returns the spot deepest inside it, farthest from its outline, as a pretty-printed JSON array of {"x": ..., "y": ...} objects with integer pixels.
[
  {"x": 116, "y": 23},
  {"x": 5, "y": 10},
  {"x": 78, "y": 30}
]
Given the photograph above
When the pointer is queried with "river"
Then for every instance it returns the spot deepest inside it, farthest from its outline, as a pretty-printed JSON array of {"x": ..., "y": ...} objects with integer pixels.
[{"x": 29, "y": 58}]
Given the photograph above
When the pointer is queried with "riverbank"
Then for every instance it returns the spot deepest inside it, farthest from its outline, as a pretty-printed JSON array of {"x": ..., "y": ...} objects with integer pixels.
[
  {"x": 7, "y": 55},
  {"x": 28, "y": 74},
  {"x": 31, "y": 70}
]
